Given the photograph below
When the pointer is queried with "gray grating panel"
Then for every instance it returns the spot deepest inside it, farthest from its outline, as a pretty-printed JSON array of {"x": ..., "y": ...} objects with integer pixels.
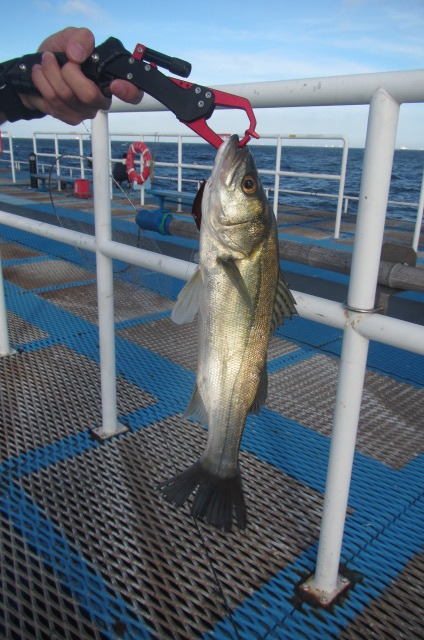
[
  {"x": 278, "y": 347},
  {"x": 14, "y": 251},
  {"x": 33, "y": 605},
  {"x": 395, "y": 615},
  {"x": 131, "y": 301},
  {"x": 106, "y": 502},
  {"x": 43, "y": 399},
  {"x": 177, "y": 343},
  {"x": 21, "y": 331},
  {"x": 390, "y": 427},
  {"x": 48, "y": 273}
]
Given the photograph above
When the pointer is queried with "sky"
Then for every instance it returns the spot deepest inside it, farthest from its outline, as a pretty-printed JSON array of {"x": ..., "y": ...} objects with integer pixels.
[{"x": 235, "y": 42}]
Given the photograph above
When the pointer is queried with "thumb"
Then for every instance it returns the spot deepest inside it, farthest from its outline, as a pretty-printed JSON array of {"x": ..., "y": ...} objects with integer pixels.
[
  {"x": 80, "y": 45},
  {"x": 76, "y": 43}
]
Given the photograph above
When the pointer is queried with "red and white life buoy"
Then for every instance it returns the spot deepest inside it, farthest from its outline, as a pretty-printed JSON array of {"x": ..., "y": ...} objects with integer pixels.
[{"x": 146, "y": 158}]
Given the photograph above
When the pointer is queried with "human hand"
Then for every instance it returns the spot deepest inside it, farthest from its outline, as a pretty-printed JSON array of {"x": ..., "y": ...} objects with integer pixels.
[{"x": 66, "y": 93}]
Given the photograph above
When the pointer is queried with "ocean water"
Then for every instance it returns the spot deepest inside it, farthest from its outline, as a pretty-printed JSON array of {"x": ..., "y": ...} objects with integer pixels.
[{"x": 408, "y": 167}]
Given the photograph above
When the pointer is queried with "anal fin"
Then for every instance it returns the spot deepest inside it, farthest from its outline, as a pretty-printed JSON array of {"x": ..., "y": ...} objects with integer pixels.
[
  {"x": 261, "y": 393},
  {"x": 195, "y": 408}
]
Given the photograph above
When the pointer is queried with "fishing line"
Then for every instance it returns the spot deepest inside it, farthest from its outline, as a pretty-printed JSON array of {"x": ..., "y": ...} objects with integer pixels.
[
  {"x": 82, "y": 225},
  {"x": 202, "y": 539},
  {"x": 218, "y": 583},
  {"x": 206, "y": 550}
]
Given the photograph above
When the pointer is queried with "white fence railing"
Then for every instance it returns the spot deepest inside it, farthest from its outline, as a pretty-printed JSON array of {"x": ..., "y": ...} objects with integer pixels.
[
  {"x": 383, "y": 93},
  {"x": 8, "y": 152},
  {"x": 60, "y": 158}
]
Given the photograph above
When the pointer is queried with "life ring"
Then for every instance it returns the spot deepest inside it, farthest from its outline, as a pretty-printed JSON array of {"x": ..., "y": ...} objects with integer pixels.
[{"x": 146, "y": 158}]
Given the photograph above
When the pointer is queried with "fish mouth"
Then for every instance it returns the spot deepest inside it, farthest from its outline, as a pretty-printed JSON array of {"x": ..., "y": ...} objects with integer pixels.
[{"x": 228, "y": 159}]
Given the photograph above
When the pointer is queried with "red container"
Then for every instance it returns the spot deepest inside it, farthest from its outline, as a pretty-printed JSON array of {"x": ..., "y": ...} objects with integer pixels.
[{"x": 82, "y": 189}]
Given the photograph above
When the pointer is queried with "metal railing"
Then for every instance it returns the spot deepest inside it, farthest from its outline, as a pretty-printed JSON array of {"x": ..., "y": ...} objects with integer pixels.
[
  {"x": 9, "y": 152},
  {"x": 58, "y": 157},
  {"x": 338, "y": 177},
  {"x": 182, "y": 170},
  {"x": 419, "y": 206},
  {"x": 357, "y": 318}
]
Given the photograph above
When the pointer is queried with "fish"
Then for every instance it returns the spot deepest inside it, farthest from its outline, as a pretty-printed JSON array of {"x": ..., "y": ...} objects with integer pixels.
[{"x": 240, "y": 297}]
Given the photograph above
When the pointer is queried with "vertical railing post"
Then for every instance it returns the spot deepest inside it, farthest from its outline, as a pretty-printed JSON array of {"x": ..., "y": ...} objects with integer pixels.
[
  {"x": 180, "y": 168},
  {"x": 57, "y": 160},
  {"x": 81, "y": 153},
  {"x": 104, "y": 268},
  {"x": 277, "y": 174},
  {"x": 341, "y": 188},
  {"x": 378, "y": 159},
  {"x": 5, "y": 349},
  {"x": 179, "y": 164},
  {"x": 12, "y": 159}
]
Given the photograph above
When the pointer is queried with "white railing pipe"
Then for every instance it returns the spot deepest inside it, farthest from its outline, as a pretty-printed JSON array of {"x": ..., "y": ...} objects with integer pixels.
[
  {"x": 104, "y": 269},
  {"x": 378, "y": 157},
  {"x": 277, "y": 174},
  {"x": 51, "y": 231},
  {"x": 9, "y": 151},
  {"x": 374, "y": 326},
  {"x": 403, "y": 86},
  {"x": 341, "y": 190},
  {"x": 391, "y": 331},
  {"x": 167, "y": 265},
  {"x": 5, "y": 349}
]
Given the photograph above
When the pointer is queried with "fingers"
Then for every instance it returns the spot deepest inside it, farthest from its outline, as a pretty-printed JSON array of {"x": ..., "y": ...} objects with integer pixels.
[
  {"x": 126, "y": 91},
  {"x": 66, "y": 93}
]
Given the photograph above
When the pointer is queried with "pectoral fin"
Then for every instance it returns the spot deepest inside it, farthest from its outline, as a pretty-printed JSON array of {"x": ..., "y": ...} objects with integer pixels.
[
  {"x": 187, "y": 304},
  {"x": 284, "y": 303},
  {"x": 236, "y": 278}
]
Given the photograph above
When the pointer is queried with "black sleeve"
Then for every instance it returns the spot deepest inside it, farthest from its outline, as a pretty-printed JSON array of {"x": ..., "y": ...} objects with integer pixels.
[{"x": 11, "y": 104}]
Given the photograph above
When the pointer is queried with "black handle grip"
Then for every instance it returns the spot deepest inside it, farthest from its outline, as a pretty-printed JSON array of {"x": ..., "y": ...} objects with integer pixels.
[
  {"x": 110, "y": 61},
  {"x": 18, "y": 72}
]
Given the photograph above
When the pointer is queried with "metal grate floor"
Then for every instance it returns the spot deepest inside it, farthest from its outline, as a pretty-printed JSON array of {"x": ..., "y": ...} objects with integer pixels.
[{"x": 88, "y": 547}]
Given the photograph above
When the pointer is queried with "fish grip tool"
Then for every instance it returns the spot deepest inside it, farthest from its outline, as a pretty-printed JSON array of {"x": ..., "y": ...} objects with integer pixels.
[{"x": 193, "y": 104}]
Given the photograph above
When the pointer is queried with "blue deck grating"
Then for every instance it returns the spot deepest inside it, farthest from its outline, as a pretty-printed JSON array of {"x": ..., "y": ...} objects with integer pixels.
[{"x": 108, "y": 559}]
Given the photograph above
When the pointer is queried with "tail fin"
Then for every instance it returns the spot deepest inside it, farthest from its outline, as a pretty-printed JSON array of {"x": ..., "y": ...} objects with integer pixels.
[{"x": 215, "y": 497}]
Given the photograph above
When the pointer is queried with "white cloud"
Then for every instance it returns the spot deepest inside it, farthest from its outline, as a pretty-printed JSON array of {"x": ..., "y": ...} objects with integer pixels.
[
  {"x": 217, "y": 67},
  {"x": 89, "y": 10}
]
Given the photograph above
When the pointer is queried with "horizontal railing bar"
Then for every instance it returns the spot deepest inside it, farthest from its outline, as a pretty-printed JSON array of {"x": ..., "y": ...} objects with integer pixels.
[
  {"x": 391, "y": 331},
  {"x": 403, "y": 86}
]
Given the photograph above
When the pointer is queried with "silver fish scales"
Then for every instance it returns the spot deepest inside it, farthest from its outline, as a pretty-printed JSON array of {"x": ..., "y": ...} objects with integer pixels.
[{"x": 241, "y": 297}]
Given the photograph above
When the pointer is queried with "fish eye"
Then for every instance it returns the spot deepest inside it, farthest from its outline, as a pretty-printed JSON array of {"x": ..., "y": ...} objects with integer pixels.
[{"x": 249, "y": 185}]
